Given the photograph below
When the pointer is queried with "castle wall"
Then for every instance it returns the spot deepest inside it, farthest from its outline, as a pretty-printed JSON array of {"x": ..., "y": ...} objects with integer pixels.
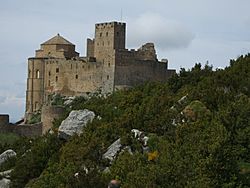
[
  {"x": 35, "y": 84},
  {"x": 131, "y": 71},
  {"x": 21, "y": 130},
  {"x": 4, "y": 119},
  {"x": 49, "y": 114},
  {"x": 72, "y": 77}
]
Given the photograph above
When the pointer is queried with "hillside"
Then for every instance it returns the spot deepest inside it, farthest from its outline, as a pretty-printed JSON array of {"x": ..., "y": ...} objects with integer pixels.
[{"x": 198, "y": 125}]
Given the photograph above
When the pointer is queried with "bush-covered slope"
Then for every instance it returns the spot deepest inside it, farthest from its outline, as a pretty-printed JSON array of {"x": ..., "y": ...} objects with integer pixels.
[{"x": 198, "y": 125}]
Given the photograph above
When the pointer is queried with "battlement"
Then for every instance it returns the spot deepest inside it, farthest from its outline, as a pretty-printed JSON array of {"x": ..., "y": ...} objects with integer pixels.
[{"x": 109, "y": 24}]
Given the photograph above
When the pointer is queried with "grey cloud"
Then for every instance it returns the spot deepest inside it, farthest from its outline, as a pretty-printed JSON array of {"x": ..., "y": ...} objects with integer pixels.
[
  {"x": 2, "y": 99},
  {"x": 166, "y": 34}
]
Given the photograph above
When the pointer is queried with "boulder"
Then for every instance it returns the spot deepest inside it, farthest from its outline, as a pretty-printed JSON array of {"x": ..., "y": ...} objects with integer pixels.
[
  {"x": 4, "y": 183},
  {"x": 75, "y": 123},
  {"x": 113, "y": 150},
  {"x": 6, "y": 173},
  {"x": 6, "y": 155}
]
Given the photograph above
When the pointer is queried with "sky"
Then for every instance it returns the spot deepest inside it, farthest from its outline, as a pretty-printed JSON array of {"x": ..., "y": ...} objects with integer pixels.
[{"x": 184, "y": 32}]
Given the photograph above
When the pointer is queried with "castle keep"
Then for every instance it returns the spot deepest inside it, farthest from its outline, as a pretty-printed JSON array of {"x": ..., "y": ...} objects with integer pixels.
[{"x": 108, "y": 66}]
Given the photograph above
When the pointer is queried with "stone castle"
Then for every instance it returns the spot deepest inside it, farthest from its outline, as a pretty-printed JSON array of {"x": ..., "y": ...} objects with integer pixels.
[{"x": 108, "y": 66}]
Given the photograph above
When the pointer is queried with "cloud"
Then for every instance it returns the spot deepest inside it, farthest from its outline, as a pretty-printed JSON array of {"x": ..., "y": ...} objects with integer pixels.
[
  {"x": 166, "y": 34},
  {"x": 2, "y": 99}
]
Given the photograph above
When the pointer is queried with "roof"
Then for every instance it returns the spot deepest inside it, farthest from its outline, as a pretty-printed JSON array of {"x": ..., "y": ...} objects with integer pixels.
[{"x": 57, "y": 40}]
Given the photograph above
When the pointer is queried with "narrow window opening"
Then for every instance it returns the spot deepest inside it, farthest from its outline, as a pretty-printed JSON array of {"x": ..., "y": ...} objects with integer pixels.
[
  {"x": 107, "y": 34},
  {"x": 49, "y": 73},
  {"x": 57, "y": 70},
  {"x": 100, "y": 34},
  {"x": 37, "y": 74},
  {"x": 107, "y": 77},
  {"x": 56, "y": 78},
  {"x": 76, "y": 76},
  {"x": 49, "y": 83}
]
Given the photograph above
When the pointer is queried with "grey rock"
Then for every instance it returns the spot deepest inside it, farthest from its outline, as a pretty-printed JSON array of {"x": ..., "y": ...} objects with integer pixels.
[
  {"x": 75, "y": 123},
  {"x": 4, "y": 183},
  {"x": 6, "y": 155},
  {"x": 113, "y": 150},
  {"x": 68, "y": 100},
  {"x": 6, "y": 173}
]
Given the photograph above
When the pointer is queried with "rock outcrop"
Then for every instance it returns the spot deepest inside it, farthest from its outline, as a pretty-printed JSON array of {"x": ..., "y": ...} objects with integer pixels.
[
  {"x": 6, "y": 155},
  {"x": 113, "y": 150},
  {"x": 6, "y": 173},
  {"x": 117, "y": 148},
  {"x": 75, "y": 123},
  {"x": 4, "y": 183}
]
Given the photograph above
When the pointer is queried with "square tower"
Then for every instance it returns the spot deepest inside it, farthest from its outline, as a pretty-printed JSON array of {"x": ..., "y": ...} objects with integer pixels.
[{"x": 109, "y": 37}]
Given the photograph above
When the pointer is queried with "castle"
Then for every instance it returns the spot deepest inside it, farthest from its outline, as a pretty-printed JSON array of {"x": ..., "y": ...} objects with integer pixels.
[{"x": 108, "y": 66}]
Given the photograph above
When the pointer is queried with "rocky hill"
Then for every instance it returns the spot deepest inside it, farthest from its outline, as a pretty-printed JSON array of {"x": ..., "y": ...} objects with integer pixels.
[{"x": 192, "y": 131}]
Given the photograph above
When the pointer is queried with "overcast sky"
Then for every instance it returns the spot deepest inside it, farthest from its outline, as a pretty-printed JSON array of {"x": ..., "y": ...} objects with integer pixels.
[{"x": 184, "y": 31}]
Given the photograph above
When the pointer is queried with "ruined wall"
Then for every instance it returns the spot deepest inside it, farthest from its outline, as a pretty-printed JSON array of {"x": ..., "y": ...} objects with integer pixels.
[
  {"x": 22, "y": 130},
  {"x": 28, "y": 130},
  {"x": 131, "y": 71},
  {"x": 49, "y": 114},
  {"x": 4, "y": 119}
]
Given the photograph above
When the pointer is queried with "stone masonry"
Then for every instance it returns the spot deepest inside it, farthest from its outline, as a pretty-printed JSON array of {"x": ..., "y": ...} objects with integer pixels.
[{"x": 108, "y": 66}]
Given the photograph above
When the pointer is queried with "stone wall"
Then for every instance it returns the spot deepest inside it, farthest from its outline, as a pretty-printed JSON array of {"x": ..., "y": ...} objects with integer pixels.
[
  {"x": 49, "y": 113},
  {"x": 133, "y": 69},
  {"x": 23, "y": 130},
  {"x": 4, "y": 119},
  {"x": 72, "y": 77}
]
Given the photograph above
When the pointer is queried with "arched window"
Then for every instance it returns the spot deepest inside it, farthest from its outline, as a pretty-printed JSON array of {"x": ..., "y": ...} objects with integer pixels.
[{"x": 37, "y": 74}]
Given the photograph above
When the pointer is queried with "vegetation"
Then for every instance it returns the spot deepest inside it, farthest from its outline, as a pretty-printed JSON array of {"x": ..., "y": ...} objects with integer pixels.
[
  {"x": 8, "y": 138},
  {"x": 202, "y": 140}
]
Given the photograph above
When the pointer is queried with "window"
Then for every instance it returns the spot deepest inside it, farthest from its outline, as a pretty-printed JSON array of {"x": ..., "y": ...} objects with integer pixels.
[
  {"x": 76, "y": 76},
  {"x": 109, "y": 64},
  {"x": 117, "y": 33},
  {"x": 103, "y": 43},
  {"x": 37, "y": 74},
  {"x": 36, "y": 106},
  {"x": 71, "y": 66},
  {"x": 49, "y": 83},
  {"x": 56, "y": 78},
  {"x": 107, "y": 77},
  {"x": 49, "y": 73},
  {"x": 107, "y": 34},
  {"x": 100, "y": 34},
  {"x": 57, "y": 70}
]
